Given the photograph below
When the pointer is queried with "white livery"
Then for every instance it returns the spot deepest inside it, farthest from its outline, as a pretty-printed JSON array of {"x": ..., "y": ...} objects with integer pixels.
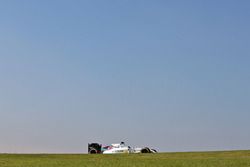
[
  {"x": 117, "y": 148},
  {"x": 122, "y": 148}
]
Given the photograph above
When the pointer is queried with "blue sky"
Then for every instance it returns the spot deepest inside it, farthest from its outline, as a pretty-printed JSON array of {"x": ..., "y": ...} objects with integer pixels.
[{"x": 173, "y": 75}]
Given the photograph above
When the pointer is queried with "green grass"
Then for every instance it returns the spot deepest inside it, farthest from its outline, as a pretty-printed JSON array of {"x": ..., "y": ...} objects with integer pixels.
[{"x": 192, "y": 159}]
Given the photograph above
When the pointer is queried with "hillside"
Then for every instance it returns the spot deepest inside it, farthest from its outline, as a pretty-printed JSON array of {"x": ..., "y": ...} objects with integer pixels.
[{"x": 189, "y": 159}]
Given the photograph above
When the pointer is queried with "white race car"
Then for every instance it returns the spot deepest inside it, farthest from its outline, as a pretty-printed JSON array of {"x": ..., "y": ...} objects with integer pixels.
[{"x": 118, "y": 148}]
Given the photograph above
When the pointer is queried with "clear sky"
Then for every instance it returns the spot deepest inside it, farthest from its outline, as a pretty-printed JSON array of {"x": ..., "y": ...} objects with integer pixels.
[{"x": 172, "y": 75}]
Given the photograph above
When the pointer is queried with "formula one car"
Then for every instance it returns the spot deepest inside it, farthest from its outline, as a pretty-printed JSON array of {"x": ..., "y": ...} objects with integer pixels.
[{"x": 95, "y": 148}]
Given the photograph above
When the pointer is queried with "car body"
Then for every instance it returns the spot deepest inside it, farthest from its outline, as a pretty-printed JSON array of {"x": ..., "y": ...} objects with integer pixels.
[{"x": 116, "y": 149}]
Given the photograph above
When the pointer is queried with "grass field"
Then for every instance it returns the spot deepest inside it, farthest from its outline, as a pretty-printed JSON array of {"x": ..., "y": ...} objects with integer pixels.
[{"x": 192, "y": 159}]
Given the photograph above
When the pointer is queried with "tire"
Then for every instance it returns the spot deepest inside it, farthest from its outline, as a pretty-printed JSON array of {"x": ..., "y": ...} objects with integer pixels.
[
  {"x": 93, "y": 151},
  {"x": 145, "y": 150},
  {"x": 154, "y": 151}
]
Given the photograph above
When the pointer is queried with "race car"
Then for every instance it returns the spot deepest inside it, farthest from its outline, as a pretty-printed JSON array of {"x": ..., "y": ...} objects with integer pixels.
[{"x": 95, "y": 148}]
